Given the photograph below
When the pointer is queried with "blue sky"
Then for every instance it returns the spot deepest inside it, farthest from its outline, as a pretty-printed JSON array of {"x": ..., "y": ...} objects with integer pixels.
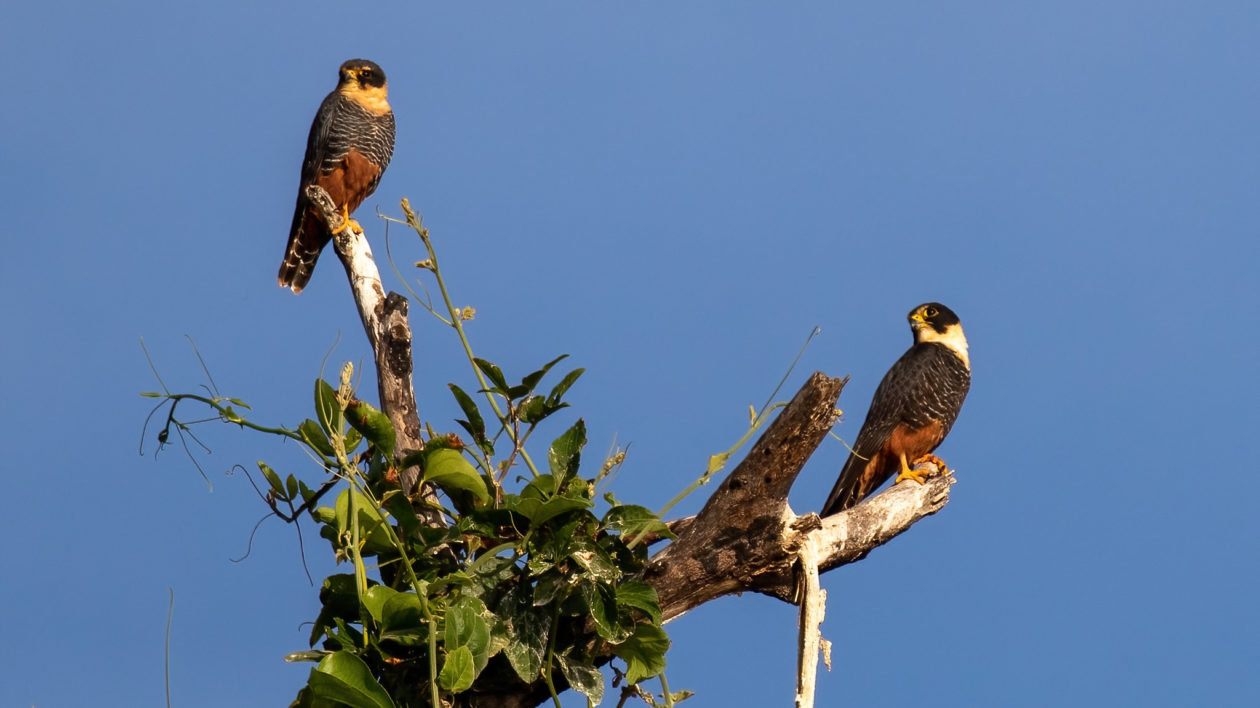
[{"x": 674, "y": 196}]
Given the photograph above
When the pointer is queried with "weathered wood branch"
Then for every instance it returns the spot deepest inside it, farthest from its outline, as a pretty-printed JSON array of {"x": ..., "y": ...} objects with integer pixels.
[
  {"x": 738, "y": 535},
  {"x": 747, "y": 538},
  {"x": 850, "y": 536},
  {"x": 387, "y": 328}
]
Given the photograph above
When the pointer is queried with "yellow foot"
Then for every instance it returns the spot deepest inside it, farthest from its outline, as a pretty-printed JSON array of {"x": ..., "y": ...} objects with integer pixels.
[
  {"x": 917, "y": 473},
  {"x": 914, "y": 475},
  {"x": 348, "y": 223},
  {"x": 908, "y": 473}
]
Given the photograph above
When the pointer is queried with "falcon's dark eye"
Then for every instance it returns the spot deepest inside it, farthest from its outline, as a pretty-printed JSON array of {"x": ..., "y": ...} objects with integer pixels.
[
  {"x": 365, "y": 74},
  {"x": 930, "y": 312}
]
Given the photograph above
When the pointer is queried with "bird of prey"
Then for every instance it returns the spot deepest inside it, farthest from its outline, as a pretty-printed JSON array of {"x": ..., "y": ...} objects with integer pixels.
[
  {"x": 351, "y": 142},
  {"x": 913, "y": 408}
]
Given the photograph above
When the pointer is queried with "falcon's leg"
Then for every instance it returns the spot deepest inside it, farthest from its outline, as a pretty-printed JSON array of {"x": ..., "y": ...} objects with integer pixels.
[
  {"x": 347, "y": 222},
  {"x": 917, "y": 475}
]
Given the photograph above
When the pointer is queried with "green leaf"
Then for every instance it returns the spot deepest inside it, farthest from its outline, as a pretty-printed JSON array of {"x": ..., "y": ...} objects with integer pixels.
[
  {"x": 602, "y": 605},
  {"x": 493, "y": 373},
  {"x": 375, "y": 598},
  {"x": 340, "y": 599},
  {"x": 273, "y": 479},
  {"x": 525, "y": 652},
  {"x": 566, "y": 453},
  {"x": 550, "y": 587},
  {"x": 306, "y": 492},
  {"x": 450, "y": 470},
  {"x": 490, "y": 571},
  {"x": 353, "y": 438},
  {"x": 532, "y": 409},
  {"x": 457, "y": 672},
  {"x": 396, "y": 503},
  {"x": 344, "y": 678},
  {"x": 640, "y": 596},
  {"x": 458, "y": 579},
  {"x": 525, "y": 507},
  {"x": 584, "y": 678},
  {"x": 325, "y": 515},
  {"x": 499, "y": 639},
  {"x": 402, "y": 620},
  {"x": 291, "y": 487},
  {"x": 629, "y": 561},
  {"x": 527, "y": 631},
  {"x": 327, "y": 408},
  {"x": 232, "y": 416},
  {"x": 315, "y": 437},
  {"x": 555, "y": 506},
  {"x": 467, "y": 626},
  {"x": 372, "y": 532},
  {"x": 346, "y": 637},
  {"x": 475, "y": 425},
  {"x": 373, "y": 424},
  {"x": 542, "y": 487},
  {"x": 561, "y": 388},
  {"x": 530, "y": 381},
  {"x": 643, "y": 652},
  {"x": 631, "y": 520},
  {"x": 593, "y": 559},
  {"x": 152, "y": 394}
]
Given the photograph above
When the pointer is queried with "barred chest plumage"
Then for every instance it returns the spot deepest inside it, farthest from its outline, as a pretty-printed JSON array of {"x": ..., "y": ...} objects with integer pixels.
[{"x": 356, "y": 128}]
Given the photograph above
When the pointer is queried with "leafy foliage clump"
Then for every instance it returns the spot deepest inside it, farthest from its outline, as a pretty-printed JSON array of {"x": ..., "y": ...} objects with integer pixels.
[
  {"x": 463, "y": 587},
  {"x": 514, "y": 583},
  {"x": 514, "y": 588}
]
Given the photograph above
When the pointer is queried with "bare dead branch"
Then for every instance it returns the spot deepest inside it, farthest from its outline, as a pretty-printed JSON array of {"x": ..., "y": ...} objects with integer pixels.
[
  {"x": 746, "y": 537},
  {"x": 813, "y": 601},
  {"x": 738, "y": 535},
  {"x": 387, "y": 328},
  {"x": 851, "y": 535}
]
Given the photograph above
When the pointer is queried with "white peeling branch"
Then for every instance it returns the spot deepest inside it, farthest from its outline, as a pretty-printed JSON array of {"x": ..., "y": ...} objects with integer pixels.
[
  {"x": 388, "y": 331},
  {"x": 813, "y": 606},
  {"x": 850, "y": 535}
]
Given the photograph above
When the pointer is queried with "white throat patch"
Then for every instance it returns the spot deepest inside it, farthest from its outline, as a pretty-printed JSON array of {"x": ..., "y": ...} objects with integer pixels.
[{"x": 953, "y": 338}]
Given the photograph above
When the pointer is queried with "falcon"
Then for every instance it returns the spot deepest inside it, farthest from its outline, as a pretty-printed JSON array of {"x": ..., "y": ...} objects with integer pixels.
[
  {"x": 347, "y": 151},
  {"x": 912, "y": 411}
]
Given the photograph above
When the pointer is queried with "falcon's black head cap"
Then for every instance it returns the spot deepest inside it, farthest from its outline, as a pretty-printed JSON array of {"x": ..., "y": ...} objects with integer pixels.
[{"x": 365, "y": 73}]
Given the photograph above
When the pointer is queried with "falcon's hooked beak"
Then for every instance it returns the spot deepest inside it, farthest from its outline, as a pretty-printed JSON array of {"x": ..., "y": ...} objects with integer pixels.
[{"x": 918, "y": 321}]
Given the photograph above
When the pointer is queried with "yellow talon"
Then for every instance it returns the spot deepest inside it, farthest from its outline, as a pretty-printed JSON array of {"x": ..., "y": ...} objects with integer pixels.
[
  {"x": 347, "y": 222},
  {"x": 917, "y": 475},
  {"x": 940, "y": 464}
]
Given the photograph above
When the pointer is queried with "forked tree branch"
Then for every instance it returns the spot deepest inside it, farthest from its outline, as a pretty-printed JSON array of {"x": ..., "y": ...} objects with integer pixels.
[{"x": 747, "y": 538}]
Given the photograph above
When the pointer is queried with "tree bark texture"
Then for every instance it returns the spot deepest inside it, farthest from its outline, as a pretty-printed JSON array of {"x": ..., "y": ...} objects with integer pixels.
[{"x": 740, "y": 534}]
